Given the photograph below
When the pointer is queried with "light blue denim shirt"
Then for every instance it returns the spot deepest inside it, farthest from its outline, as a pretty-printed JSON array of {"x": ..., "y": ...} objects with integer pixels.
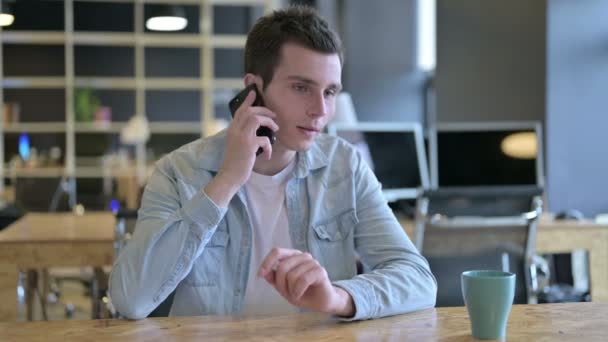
[{"x": 184, "y": 242}]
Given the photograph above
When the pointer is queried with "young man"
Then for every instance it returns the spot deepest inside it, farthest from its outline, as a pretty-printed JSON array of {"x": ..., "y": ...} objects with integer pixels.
[{"x": 235, "y": 233}]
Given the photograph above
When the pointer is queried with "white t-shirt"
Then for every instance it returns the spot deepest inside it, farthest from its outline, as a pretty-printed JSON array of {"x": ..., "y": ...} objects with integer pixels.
[{"x": 270, "y": 228}]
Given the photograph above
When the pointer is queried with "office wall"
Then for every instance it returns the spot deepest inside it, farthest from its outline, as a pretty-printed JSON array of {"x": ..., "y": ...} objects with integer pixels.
[
  {"x": 490, "y": 60},
  {"x": 380, "y": 52},
  {"x": 577, "y": 105}
]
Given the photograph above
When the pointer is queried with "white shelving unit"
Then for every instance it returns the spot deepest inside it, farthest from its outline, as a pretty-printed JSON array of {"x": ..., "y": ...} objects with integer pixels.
[{"x": 205, "y": 82}]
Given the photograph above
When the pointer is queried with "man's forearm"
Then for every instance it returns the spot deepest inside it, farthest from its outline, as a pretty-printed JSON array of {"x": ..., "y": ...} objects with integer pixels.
[{"x": 220, "y": 191}]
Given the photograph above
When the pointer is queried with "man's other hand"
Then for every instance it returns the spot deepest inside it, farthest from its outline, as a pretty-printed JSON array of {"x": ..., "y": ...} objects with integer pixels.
[{"x": 303, "y": 282}]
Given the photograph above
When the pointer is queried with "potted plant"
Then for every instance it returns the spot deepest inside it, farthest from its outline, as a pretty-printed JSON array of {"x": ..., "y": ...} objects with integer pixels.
[{"x": 85, "y": 104}]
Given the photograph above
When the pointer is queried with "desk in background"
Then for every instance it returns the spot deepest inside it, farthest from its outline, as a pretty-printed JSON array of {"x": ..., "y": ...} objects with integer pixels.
[
  {"x": 44, "y": 240},
  {"x": 554, "y": 236},
  {"x": 547, "y": 322}
]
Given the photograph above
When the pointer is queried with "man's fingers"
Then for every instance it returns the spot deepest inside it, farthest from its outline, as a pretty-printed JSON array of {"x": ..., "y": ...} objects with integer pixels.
[
  {"x": 265, "y": 144},
  {"x": 254, "y": 122},
  {"x": 295, "y": 278},
  {"x": 248, "y": 109},
  {"x": 285, "y": 266},
  {"x": 249, "y": 99},
  {"x": 274, "y": 257},
  {"x": 270, "y": 277}
]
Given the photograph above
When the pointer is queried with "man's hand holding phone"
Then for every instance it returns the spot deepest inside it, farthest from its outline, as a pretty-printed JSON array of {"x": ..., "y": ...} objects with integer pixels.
[{"x": 242, "y": 143}]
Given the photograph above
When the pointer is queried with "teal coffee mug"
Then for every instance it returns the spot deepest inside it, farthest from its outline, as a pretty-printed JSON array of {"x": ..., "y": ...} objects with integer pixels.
[{"x": 488, "y": 296}]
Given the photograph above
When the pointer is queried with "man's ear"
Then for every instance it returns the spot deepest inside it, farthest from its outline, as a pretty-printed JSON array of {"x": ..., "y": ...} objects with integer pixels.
[{"x": 252, "y": 78}]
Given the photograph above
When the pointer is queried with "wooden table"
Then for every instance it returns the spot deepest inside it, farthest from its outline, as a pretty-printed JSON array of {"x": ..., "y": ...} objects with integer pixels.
[
  {"x": 42, "y": 240},
  {"x": 565, "y": 237},
  {"x": 546, "y": 322}
]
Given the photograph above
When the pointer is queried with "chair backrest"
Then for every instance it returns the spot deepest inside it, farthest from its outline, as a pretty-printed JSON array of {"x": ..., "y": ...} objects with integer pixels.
[
  {"x": 9, "y": 213},
  {"x": 464, "y": 229},
  {"x": 481, "y": 201},
  {"x": 41, "y": 194},
  {"x": 125, "y": 227}
]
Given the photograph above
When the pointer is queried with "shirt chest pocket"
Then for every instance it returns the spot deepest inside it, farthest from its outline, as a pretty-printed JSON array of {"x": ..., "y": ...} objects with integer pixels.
[
  {"x": 206, "y": 269},
  {"x": 335, "y": 246},
  {"x": 336, "y": 228}
]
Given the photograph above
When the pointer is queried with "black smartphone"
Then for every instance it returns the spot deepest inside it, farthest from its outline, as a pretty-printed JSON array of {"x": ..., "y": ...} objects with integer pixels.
[{"x": 234, "y": 104}]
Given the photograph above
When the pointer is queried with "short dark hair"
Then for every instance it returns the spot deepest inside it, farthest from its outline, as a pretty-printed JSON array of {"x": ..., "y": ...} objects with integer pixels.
[{"x": 296, "y": 24}]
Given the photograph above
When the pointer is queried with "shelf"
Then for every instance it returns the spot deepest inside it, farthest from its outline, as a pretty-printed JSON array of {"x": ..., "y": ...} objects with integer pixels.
[
  {"x": 152, "y": 83},
  {"x": 33, "y": 37},
  {"x": 158, "y": 83},
  {"x": 98, "y": 127},
  {"x": 35, "y": 127},
  {"x": 228, "y": 41},
  {"x": 183, "y": 40},
  {"x": 170, "y": 127},
  {"x": 164, "y": 127},
  {"x": 156, "y": 127},
  {"x": 103, "y": 38},
  {"x": 119, "y": 171},
  {"x": 33, "y": 82},
  {"x": 173, "y": 83},
  {"x": 81, "y": 172},
  {"x": 98, "y": 172},
  {"x": 176, "y": 40},
  {"x": 105, "y": 82},
  {"x": 122, "y": 83},
  {"x": 228, "y": 83},
  {"x": 39, "y": 172}
]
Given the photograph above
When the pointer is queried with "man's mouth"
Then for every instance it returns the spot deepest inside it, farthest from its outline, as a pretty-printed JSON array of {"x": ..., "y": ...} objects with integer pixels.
[
  {"x": 310, "y": 129},
  {"x": 308, "y": 132}
]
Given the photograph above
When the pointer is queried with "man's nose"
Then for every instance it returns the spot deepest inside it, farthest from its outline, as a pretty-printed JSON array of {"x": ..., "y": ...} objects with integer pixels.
[{"x": 318, "y": 106}]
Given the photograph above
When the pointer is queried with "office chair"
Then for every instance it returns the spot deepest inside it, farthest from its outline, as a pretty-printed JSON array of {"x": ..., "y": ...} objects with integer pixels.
[
  {"x": 460, "y": 229},
  {"x": 44, "y": 194}
]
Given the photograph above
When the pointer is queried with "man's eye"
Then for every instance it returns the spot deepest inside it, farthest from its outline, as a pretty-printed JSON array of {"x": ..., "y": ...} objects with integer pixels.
[
  {"x": 331, "y": 92},
  {"x": 300, "y": 87}
]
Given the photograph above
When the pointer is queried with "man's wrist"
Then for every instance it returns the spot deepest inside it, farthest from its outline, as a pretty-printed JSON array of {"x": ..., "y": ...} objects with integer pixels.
[
  {"x": 345, "y": 305},
  {"x": 220, "y": 191}
]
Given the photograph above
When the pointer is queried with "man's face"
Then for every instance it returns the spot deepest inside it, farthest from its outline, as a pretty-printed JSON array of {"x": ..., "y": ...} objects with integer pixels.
[{"x": 303, "y": 93}]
